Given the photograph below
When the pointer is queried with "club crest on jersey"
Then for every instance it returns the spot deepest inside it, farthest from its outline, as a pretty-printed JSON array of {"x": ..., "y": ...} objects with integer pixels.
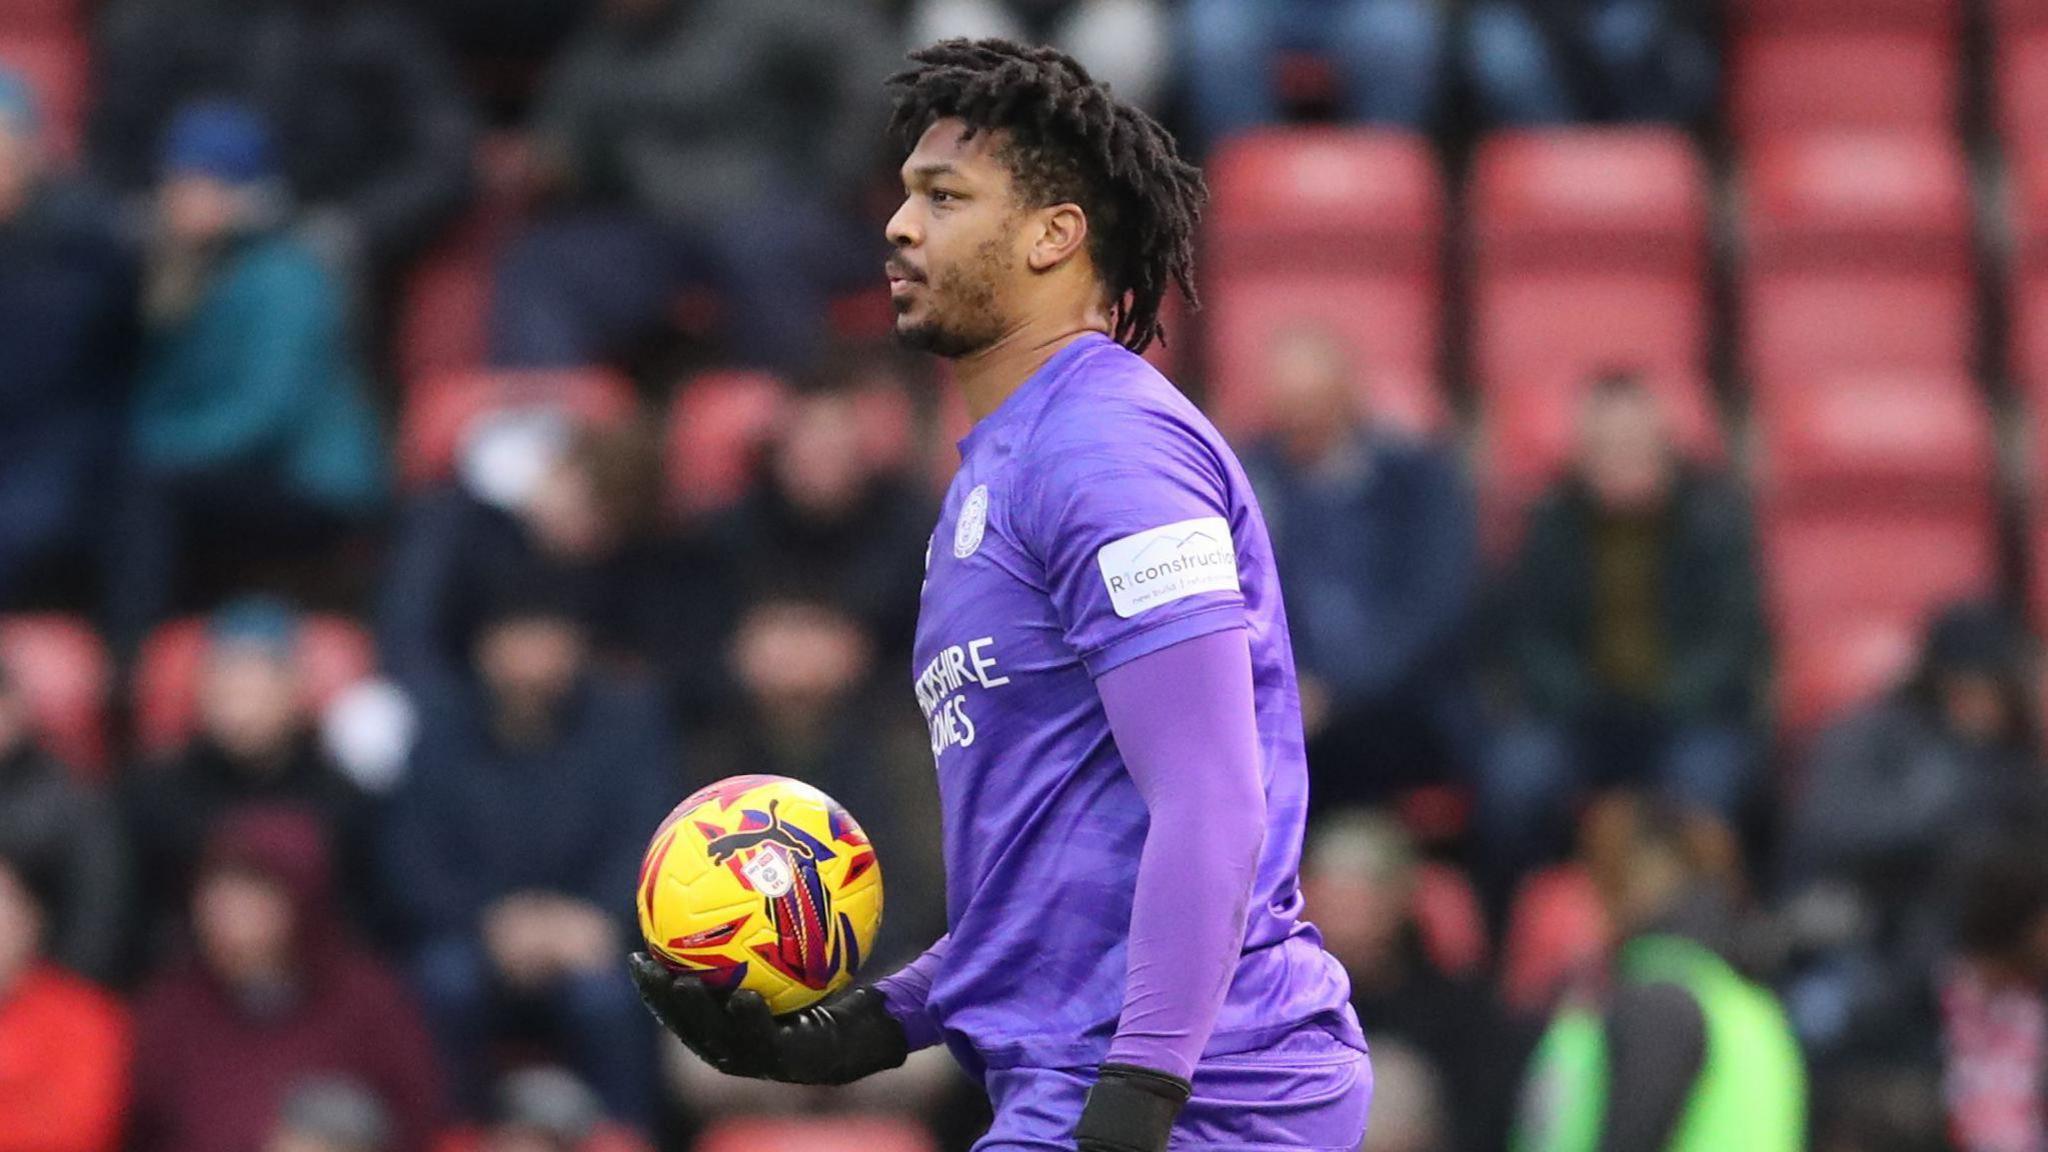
[{"x": 973, "y": 522}]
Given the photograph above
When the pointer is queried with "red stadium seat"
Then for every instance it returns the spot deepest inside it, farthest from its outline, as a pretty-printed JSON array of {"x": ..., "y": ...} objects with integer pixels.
[
  {"x": 1823, "y": 673},
  {"x": 1573, "y": 324},
  {"x": 1389, "y": 323},
  {"x": 2027, "y": 358},
  {"x": 1859, "y": 256},
  {"x": 1557, "y": 930},
  {"x": 333, "y": 655},
  {"x": 46, "y": 18},
  {"x": 1872, "y": 569},
  {"x": 1937, "y": 16},
  {"x": 1607, "y": 199},
  {"x": 1449, "y": 919},
  {"x": 1799, "y": 329},
  {"x": 443, "y": 323},
  {"x": 817, "y": 1134},
  {"x": 1858, "y": 200},
  {"x": 1800, "y": 81},
  {"x": 717, "y": 427},
  {"x": 1307, "y": 197},
  {"x": 440, "y": 410},
  {"x": 1341, "y": 227},
  {"x": 2020, "y": 86},
  {"x": 63, "y": 671},
  {"x": 444, "y": 319},
  {"x": 1590, "y": 256},
  {"x": 1886, "y": 441},
  {"x": 57, "y": 64}
]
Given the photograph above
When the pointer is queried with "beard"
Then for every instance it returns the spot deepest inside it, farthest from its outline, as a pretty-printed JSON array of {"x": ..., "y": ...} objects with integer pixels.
[{"x": 961, "y": 316}]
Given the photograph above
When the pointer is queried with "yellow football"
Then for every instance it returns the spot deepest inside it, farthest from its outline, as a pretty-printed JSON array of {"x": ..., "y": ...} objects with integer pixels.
[{"x": 762, "y": 882}]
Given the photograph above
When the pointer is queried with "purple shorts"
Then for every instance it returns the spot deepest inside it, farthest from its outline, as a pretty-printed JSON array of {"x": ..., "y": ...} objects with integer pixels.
[{"x": 1308, "y": 1093}]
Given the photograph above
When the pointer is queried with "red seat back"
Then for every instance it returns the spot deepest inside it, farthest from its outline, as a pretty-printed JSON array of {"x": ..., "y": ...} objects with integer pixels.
[
  {"x": 440, "y": 410},
  {"x": 718, "y": 425},
  {"x": 333, "y": 655},
  {"x": 1864, "y": 201},
  {"x": 1793, "y": 81},
  {"x": 1822, "y": 673},
  {"x": 63, "y": 672},
  {"x": 57, "y": 65},
  {"x": 1886, "y": 442},
  {"x": 1343, "y": 198},
  {"x": 1616, "y": 199},
  {"x": 1556, "y": 931},
  {"x": 1798, "y": 330}
]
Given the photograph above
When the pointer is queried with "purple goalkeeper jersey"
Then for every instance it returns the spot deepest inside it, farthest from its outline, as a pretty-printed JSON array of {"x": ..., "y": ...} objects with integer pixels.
[{"x": 1097, "y": 517}]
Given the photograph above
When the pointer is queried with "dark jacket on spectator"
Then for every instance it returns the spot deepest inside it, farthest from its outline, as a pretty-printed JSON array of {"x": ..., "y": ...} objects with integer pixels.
[
  {"x": 475, "y": 820},
  {"x": 211, "y": 1069},
  {"x": 173, "y": 808},
  {"x": 67, "y": 288},
  {"x": 868, "y": 563},
  {"x": 661, "y": 604},
  {"x": 71, "y": 840},
  {"x": 1711, "y": 619},
  {"x": 718, "y": 103},
  {"x": 1381, "y": 560},
  {"x": 1893, "y": 804},
  {"x": 371, "y": 120}
]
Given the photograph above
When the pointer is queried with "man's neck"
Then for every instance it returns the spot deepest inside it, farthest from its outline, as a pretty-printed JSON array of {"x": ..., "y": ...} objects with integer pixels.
[{"x": 986, "y": 378}]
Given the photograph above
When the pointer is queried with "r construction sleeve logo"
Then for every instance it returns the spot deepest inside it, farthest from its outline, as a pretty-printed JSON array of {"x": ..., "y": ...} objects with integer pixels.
[{"x": 1164, "y": 564}]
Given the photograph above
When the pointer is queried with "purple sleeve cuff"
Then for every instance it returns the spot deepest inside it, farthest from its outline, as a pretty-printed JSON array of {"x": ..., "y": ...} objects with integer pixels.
[
  {"x": 1185, "y": 722},
  {"x": 905, "y": 995}
]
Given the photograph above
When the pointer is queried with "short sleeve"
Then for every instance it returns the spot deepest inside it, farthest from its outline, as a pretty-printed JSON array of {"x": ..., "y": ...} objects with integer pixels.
[{"x": 1134, "y": 526}]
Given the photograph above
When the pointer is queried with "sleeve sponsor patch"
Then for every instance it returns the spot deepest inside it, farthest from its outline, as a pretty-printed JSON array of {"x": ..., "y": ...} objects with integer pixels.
[{"x": 1164, "y": 564}]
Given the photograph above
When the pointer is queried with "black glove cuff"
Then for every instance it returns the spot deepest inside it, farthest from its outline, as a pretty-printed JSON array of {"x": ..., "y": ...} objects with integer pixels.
[
  {"x": 1130, "y": 1109},
  {"x": 862, "y": 1038}
]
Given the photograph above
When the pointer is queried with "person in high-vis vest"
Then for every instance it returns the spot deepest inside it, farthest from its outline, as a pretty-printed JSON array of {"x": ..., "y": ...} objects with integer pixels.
[{"x": 1674, "y": 1050}]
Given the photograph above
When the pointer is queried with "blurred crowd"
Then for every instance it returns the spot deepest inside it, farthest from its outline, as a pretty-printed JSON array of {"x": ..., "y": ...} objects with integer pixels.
[{"x": 385, "y": 909}]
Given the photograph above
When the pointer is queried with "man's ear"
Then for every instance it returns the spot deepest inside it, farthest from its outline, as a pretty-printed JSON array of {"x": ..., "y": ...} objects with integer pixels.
[{"x": 1063, "y": 231}]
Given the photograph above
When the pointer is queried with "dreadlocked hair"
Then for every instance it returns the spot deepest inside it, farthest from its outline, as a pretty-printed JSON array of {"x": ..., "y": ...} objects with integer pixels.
[{"x": 1067, "y": 140}]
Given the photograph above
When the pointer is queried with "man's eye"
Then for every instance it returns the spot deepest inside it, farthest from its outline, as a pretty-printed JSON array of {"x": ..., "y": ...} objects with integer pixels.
[{"x": 941, "y": 196}]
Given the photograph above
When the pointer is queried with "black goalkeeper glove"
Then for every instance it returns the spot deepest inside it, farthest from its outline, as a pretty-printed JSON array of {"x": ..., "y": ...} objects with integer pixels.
[
  {"x": 838, "y": 1041},
  {"x": 1130, "y": 1109}
]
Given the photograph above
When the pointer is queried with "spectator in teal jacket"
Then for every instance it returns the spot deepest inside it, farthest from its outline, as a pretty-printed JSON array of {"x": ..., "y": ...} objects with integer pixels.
[{"x": 251, "y": 420}]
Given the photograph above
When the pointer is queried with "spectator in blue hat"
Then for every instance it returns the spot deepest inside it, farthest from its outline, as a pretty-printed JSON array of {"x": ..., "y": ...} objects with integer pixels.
[
  {"x": 254, "y": 744},
  {"x": 251, "y": 423},
  {"x": 66, "y": 291}
]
